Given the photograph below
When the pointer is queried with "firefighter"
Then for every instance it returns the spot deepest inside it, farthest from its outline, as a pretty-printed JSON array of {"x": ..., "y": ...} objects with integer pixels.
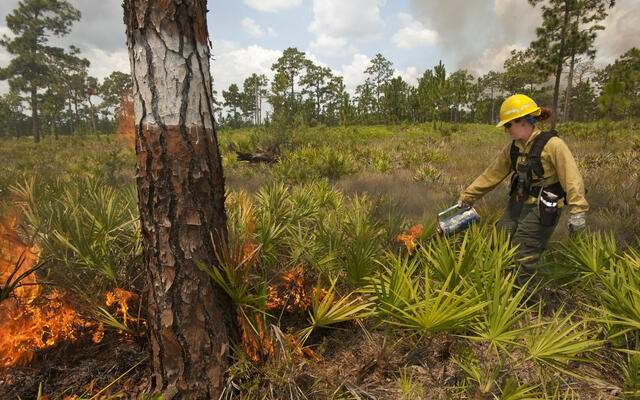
[{"x": 544, "y": 178}]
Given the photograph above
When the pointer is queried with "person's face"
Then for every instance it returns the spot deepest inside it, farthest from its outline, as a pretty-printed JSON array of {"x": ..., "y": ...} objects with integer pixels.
[{"x": 518, "y": 129}]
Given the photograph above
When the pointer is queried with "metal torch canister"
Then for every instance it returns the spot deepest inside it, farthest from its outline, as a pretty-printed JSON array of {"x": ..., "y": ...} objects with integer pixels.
[{"x": 450, "y": 222}]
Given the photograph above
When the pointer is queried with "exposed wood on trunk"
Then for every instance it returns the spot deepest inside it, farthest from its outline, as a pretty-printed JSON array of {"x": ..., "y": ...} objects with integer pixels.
[{"x": 181, "y": 195}]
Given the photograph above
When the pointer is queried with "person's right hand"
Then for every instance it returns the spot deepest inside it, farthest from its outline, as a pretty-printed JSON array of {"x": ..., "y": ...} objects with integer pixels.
[
  {"x": 577, "y": 222},
  {"x": 462, "y": 204}
]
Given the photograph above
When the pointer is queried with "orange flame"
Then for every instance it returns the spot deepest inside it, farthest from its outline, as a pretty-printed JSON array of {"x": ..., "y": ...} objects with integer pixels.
[
  {"x": 257, "y": 344},
  {"x": 300, "y": 350},
  {"x": 290, "y": 292},
  {"x": 410, "y": 237},
  {"x": 29, "y": 320},
  {"x": 121, "y": 298}
]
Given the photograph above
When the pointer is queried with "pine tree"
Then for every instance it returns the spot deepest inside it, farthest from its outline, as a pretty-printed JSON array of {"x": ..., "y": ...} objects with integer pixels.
[
  {"x": 380, "y": 72},
  {"x": 253, "y": 90},
  {"x": 233, "y": 100},
  {"x": 569, "y": 28},
  {"x": 288, "y": 68},
  {"x": 112, "y": 89},
  {"x": 32, "y": 23},
  {"x": 315, "y": 83}
]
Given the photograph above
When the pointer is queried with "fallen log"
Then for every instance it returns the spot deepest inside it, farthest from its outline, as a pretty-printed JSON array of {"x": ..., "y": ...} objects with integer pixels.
[{"x": 268, "y": 157}]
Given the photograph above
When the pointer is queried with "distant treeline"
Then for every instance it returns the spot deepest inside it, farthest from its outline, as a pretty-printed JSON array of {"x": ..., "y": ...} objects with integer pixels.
[
  {"x": 564, "y": 49},
  {"x": 51, "y": 91},
  {"x": 314, "y": 95}
]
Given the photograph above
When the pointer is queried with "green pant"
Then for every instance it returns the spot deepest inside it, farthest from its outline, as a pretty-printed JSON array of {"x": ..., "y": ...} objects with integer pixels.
[{"x": 529, "y": 234}]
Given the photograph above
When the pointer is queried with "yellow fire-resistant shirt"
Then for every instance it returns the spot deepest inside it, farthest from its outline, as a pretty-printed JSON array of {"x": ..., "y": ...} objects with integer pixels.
[{"x": 557, "y": 161}]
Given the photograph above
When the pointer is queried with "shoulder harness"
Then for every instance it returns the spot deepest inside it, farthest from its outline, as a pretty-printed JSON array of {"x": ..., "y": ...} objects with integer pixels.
[
  {"x": 533, "y": 157},
  {"x": 532, "y": 165}
]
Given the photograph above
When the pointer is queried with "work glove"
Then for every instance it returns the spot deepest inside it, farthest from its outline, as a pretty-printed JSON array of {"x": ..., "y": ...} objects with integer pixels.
[{"x": 577, "y": 222}]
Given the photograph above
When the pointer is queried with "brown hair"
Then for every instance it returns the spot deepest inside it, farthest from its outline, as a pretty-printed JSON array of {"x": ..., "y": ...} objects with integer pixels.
[{"x": 546, "y": 115}]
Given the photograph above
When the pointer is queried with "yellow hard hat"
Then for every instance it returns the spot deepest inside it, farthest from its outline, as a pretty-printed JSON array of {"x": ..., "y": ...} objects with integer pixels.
[{"x": 517, "y": 106}]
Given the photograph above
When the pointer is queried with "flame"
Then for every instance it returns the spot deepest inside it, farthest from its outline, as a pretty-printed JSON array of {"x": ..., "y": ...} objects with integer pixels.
[
  {"x": 290, "y": 292},
  {"x": 15, "y": 258},
  {"x": 30, "y": 320},
  {"x": 98, "y": 334},
  {"x": 410, "y": 237},
  {"x": 300, "y": 350},
  {"x": 257, "y": 344},
  {"x": 121, "y": 298}
]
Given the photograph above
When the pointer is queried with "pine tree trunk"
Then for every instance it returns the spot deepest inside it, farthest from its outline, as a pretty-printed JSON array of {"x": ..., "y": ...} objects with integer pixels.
[
  {"x": 181, "y": 195},
  {"x": 35, "y": 119},
  {"x": 567, "y": 94},
  {"x": 76, "y": 117},
  {"x": 560, "y": 61},
  {"x": 493, "y": 108},
  {"x": 92, "y": 115}
]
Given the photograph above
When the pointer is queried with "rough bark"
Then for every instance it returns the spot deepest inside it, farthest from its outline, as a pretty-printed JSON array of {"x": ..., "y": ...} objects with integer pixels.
[{"x": 181, "y": 195}]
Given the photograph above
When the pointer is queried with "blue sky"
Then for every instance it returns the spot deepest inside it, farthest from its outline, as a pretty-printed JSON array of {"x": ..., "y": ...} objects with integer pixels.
[
  {"x": 249, "y": 35},
  {"x": 290, "y": 27},
  {"x": 414, "y": 34},
  {"x": 343, "y": 35}
]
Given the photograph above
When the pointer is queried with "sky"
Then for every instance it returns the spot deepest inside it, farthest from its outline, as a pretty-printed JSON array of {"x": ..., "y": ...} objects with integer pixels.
[{"x": 249, "y": 35}]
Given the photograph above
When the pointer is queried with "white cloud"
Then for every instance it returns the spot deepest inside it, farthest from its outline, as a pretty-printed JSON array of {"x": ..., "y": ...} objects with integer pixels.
[
  {"x": 409, "y": 75},
  {"x": 233, "y": 64},
  {"x": 5, "y": 57},
  {"x": 272, "y": 5},
  {"x": 4, "y": 30},
  {"x": 104, "y": 62},
  {"x": 331, "y": 46},
  {"x": 413, "y": 34},
  {"x": 338, "y": 23},
  {"x": 350, "y": 19},
  {"x": 251, "y": 27},
  {"x": 353, "y": 73}
]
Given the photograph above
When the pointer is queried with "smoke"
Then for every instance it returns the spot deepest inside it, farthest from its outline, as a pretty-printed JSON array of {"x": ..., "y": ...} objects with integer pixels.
[
  {"x": 477, "y": 34},
  {"x": 621, "y": 33}
]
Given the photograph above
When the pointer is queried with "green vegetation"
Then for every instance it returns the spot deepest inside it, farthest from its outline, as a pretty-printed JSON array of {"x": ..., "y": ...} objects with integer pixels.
[
  {"x": 365, "y": 308},
  {"x": 64, "y": 99}
]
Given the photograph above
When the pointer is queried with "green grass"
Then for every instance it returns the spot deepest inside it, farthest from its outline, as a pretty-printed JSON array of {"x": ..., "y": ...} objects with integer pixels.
[{"x": 333, "y": 205}]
